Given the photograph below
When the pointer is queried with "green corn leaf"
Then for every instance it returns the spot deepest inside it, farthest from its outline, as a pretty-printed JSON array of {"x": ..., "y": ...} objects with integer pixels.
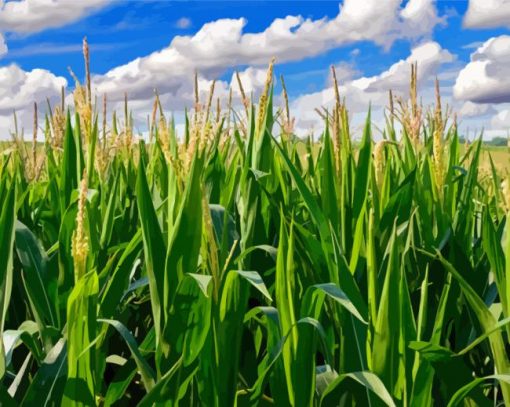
[
  {"x": 39, "y": 279},
  {"x": 120, "y": 383},
  {"x": 154, "y": 249},
  {"x": 367, "y": 379},
  {"x": 47, "y": 386},
  {"x": 464, "y": 391},
  {"x": 7, "y": 219},
  {"x": 190, "y": 317},
  {"x": 108, "y": 218},
  {"x": 486, "y": 320},
  {"x": 119, "y": 280},
  {"x": 316, "y": 294},
  {"x": 69, "y": 175},
  {"x": 148, "y": 376},
  {"x": 385, "y": 350},
  {"x": 81, "y": 332},
  {"x": 25, "y": 333}
]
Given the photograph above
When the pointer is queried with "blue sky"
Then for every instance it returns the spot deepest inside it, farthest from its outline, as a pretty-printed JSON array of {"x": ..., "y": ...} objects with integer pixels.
[
  {"x": 122, "y": 32},
  {"x": 47, "y": 37}
]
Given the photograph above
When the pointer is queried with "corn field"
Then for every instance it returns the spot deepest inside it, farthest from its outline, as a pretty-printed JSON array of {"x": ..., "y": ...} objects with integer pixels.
[{"x": 237, "y": 264}]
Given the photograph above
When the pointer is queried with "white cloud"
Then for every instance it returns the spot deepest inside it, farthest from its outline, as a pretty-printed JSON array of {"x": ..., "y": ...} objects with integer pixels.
[
  {"x": 183, "y": 23},
  {"x": 3, "y": 46},
  {"x": 473, "y": 45},
  {"x": 29, "y": 16},
  {"x": 485, "y": 78},
  {"x": 487, "y": 14},
  {"x": 361, "y": 92},
  {"x": 429, "y": 57},
  {"x": 253, "y": 80},
  {"x": 420, "y": 17},
  {"x": 19, "y": 89},
  {"x": 222, "y": 44},
  {"x": 501, "y": 120},
  {"x": 383, "y": 22},
  {"x": 344, "y": 71},
  {"x": 471, "y": 110},
  {"x": 355, "y": 52}
]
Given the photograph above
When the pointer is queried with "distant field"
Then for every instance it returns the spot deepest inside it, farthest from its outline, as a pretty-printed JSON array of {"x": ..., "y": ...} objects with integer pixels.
[{"x": 500, "y": 156}]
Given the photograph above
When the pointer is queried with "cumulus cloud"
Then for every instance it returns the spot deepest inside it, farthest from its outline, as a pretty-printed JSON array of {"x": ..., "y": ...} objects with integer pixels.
[
  {"x": 471, "y": 110},
  {"x": 29, "y": 16},
  {"x": 487, "y": 14},
  {"x": 501, "y": 120},
  {"x": 485, "y": 78},
  {"x": 429, "y": 57},
  {"x": 253, "y": 80},
  {"x": 359, "y": 91},
  {"x": 373, "y": 90},
  {"x": 223, "y": 43},
  {"x": 19, "y": 89}
]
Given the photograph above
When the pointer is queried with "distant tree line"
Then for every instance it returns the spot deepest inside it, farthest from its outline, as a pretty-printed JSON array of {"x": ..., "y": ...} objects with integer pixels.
[{"x": 495, "y": 141}]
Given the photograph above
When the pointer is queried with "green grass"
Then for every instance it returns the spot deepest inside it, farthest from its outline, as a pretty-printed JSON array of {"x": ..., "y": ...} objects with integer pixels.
[{"x": 232, "y": 266}]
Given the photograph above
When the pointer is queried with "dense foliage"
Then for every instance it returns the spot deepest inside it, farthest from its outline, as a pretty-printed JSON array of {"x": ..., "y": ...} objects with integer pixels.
[{"x": 239, "y": 264}]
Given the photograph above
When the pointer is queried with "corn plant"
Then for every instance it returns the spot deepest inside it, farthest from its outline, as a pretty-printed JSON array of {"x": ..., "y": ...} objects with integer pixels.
[{"x": 237, "y": 264}]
